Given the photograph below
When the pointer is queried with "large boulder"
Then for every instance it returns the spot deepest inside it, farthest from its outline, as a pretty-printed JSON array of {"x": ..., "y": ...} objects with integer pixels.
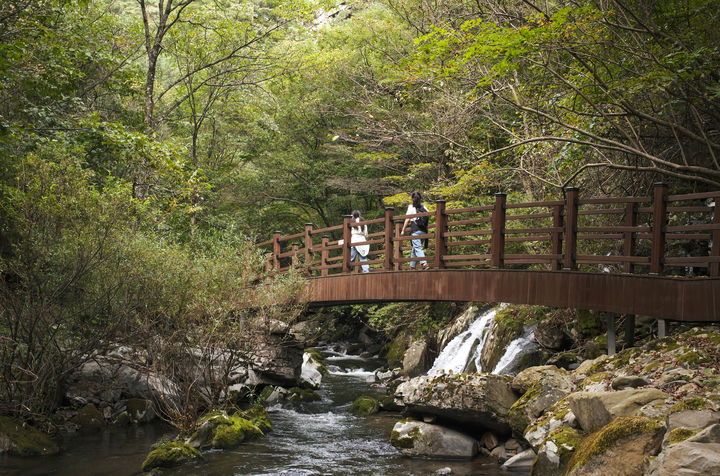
[
  {"x": 23, "y": 440},
  {"x": 543, "y": 387},
  {"x": 277, "y": 360},
  {"x": 556, "y": 451},
  {"x": 619, "y": 448},
  {"x": 520, "y": 462},
  {"x": 415, "y": 438},
  {"x": 692, "y": 419},
  {"x": 555, "y": 417},
  {"x": 482, "y": 399},
  {"x": 699, "y": 454},
  {"x": 596, "y": 409},
  {"x": 416, "y": 360},
  {"x": 310, "y": 373},
  {"x": 549, "y": 375},
  {"x": 168, "y": 455},
  {"x": 221, "y": 431}
]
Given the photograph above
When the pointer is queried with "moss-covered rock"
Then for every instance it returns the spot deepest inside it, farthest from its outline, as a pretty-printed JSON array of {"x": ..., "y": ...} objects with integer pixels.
[
  {"x": 297, "y": 394},
  {"x": 169, "y": 455},
  {"x": 238, "y": 431},
  {"x": 678, "y": 435},
  {"x": 364, "y": 406},
  {"x": 22, "y": 440},
  {"x": 618, "y": 448},
  {"x": 123, "y": 419},
  {"x": 258, "y": 415},
  {"x": 556, "y": 451},
  {"x": 89, "y": 419},
  {"x": 218, "y": 430},
  {"x": 396, "y": 350},
  {"x": 692, "y": 403}
]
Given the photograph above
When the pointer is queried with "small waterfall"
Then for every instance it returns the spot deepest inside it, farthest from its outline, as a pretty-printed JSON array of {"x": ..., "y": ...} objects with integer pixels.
[
  {"x": 517, "y": 347},
  {"x": 465, "y": 348}
]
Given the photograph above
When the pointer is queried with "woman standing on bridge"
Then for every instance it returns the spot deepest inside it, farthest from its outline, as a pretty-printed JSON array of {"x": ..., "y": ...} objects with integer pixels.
[
  {"x": 418, "y": 226},
  {"x": 358, "y": 234}
]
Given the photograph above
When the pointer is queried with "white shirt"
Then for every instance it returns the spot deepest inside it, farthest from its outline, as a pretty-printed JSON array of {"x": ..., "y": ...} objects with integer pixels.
[{"x": 357, "y": 233}]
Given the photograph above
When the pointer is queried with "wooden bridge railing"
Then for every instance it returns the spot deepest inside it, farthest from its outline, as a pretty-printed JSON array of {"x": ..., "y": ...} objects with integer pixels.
[{"x": 658, "y": 234}]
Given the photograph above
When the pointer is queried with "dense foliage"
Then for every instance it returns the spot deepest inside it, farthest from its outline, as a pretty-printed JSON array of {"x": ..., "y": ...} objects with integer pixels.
[{"x": 143, "y": 143}]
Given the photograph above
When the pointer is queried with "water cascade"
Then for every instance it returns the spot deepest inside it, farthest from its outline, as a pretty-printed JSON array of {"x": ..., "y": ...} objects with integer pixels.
[
  {"x": 515, "y": 349},
  {"x": 465, "y": 348}
]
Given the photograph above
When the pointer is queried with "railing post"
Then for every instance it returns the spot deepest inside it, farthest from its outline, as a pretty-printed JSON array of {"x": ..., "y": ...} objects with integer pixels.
[
  {"x": 714, "y": 268},
  {"x": 440, "y": 229},
  {"x": 497, "y": 241},
  {"x": 389, "y": 228},
  {"x": 324, "y": 255},
  {"x": 308, "y": 245},
  {"x": 571, "y": 220},
  {"x": 294, "y": 256},
  {"x": 346, "y": 243},
  {"x": 397, "y": 247},
  {"x": 557, "y": 238},
  {"x": 658, "y": 229},
  {"x": 276, "y": 250},
  {"x": 630, "y": 241}
]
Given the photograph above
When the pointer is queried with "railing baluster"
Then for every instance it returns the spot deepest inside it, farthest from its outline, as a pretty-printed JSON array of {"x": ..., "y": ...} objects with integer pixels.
[
  {"x": 397, "y": 246},
  {"x": 630, "y": 241},
  {"x": 346, "y": 243},
  {"x": 276, "y": 250},
  {"x": 658, "y": 229},
  {"x": 714, "y": 268},
  {"x": 308, "y": 245},
  {"x": 555, "y": 265},
  {"x": 324, "y": 255},
  {"x": 294, "y": 256},
  {"x": 571, "y": 219},
  {"x": 440, "y": 229},
  {"x": 497, "y": 242},
  {"x": 389, "y": 228}
]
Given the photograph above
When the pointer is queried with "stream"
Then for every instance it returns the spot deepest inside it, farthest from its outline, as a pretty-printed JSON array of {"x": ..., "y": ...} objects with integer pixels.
[{"x": 316, "y": 438}]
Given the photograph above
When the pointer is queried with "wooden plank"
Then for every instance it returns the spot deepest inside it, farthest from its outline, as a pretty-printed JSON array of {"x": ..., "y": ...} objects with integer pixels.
[
  {"x": 694, "y": 196},
  {"x": 658, "y": 229},
  {"x": 549, "y": 203},
  {"x": 469, "y": 222},
  {"x": 497, "y": 245},
  {"x": 467, "y": 233},
  {"x": 482, "y": 208},
  {"x": 571, "y": 218},
  {"x": 440, "y": 229},
  {"x": 608, "y": 200}
]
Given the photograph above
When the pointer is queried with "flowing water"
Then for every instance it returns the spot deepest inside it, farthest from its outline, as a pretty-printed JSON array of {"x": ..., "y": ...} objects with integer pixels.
[
  {"x": 317, "y": 438},
  {"x": 465, "y": 348},
  {"x": 515, "y": 350}
]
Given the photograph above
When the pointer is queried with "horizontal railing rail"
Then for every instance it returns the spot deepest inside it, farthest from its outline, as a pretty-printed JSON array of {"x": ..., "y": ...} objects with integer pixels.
[{"x": 657, "y": 234}]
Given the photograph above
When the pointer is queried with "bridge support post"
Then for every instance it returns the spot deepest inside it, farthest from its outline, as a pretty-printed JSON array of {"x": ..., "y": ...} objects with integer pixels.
[
  {"x": 714, "y": 268},
  {"x": 497, "y": 241},
  {"x": 571, "y": 219},
  {"x": 324, "y": 255},
  {"x": 389, "y": 235},
  {"x": 440, "y": 229},
  {"x": 308, "y": 246},
  {"x": 658, "y": 229},
  {"x": 629, "y": 330},
  {"x": 611, "y": 342},
  {"x": 662, "y": 328},
  {"x": 346, "y": 243},
  {"x": 276, "y": 250}
]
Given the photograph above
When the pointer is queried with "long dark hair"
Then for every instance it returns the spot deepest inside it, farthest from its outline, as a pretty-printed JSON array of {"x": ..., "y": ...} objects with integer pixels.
[
  {"x": 416, "y": 199},
  {"x": 356, "y": 217}
]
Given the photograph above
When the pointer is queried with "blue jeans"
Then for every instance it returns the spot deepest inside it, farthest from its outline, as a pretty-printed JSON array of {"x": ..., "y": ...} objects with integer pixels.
[
  {"x": 417, "y": 249},
  {"x": 355, "y": 254}
]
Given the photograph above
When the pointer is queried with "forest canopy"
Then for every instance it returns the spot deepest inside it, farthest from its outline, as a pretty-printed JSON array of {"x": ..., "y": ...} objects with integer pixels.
[{"x": 141, "y": 140}]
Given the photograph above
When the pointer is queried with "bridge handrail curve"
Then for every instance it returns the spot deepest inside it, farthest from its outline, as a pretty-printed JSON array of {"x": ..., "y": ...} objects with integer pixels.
[{"x": 638, "y": 239}]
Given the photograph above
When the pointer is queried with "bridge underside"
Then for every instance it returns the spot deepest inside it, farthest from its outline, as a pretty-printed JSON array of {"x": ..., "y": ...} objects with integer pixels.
[{"x": 673, "y": 298}]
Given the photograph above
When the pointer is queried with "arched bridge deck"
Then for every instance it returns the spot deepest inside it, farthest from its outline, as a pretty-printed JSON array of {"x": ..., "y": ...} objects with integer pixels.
[{"x": 657, "y": 255}]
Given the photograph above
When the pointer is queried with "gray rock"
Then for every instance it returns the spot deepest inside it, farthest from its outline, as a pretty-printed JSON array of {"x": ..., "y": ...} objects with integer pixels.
[
  {"x": 310, "y": 372},
  {"x": 500, "y": 453},
  {"x": 550, "y": 335},
  {"x": 415, "y": 438},
  {"x": 512, "y": 444},
  {"x": 484, "y": 399},
  {"x": 520, "y": 462},
  {"x": 696, "y": 419},
  {"x": 628, "y": 381},
  {"x": 277, "y": 360},
  {"x": 594, "y": 410},
  {"x": 489, "y": 440},
  {"x": 416, "y": 360},
  {"x": 586, "y": 365},
  {"x": 547, "y": 374},
  {"x": 698, "y": 455},
  {"x": 459, "y": 324}
]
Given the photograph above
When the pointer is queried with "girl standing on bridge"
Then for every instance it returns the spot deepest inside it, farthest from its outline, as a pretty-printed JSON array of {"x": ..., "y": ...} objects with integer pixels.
[
  {"x": 418, "y": 226},
  {"x": 358, "y": 234}
]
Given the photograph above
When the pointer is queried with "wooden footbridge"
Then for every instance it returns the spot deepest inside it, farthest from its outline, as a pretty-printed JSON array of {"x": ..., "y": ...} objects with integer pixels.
[{"x": 656, "y": 255}]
